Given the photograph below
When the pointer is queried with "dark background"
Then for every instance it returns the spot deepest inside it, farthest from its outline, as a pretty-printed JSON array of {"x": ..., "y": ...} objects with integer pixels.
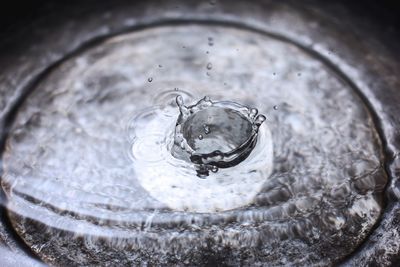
[{"x": 16, "y": 12}]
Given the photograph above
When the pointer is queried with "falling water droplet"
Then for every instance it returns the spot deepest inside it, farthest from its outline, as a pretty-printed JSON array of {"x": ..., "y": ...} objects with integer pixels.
[
  {"x": 150, "y": 79},
  {"x": 209, "y": 66}
]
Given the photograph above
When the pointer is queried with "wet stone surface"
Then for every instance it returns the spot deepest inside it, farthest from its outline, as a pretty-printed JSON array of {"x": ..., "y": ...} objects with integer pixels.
[{"x": 78, "y": 195}]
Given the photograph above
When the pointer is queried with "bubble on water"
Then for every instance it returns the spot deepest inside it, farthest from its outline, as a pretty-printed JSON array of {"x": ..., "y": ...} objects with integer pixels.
[
  {"x": 209, "y": 66},
  {"x": 150, "y": 79}
]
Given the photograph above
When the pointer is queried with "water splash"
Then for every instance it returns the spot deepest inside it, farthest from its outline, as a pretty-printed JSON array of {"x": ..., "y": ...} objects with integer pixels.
[
  {"x": 208, "y": 139},
  {"x": 231, "y": 140}
]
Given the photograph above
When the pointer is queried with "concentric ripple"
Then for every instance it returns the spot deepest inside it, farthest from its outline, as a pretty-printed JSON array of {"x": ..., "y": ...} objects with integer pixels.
[{"x": 75, "y": 168}]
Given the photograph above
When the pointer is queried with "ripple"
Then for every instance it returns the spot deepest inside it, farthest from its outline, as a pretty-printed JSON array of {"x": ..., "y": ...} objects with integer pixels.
[{"x": 69, "y": 184}]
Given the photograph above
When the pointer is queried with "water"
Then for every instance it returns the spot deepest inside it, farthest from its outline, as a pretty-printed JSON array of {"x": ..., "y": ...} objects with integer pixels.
[
  {"x": 90, "y": 176},
  {"x": 232, "y": 138},
  {"x": 169, "y": 157}
]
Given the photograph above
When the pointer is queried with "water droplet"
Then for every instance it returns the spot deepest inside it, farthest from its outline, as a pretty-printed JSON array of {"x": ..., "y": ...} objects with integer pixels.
[
  {"x": 276, "y": 107},
  {"x": 160, "y": 66},
  {"x": 214, "y": 169},
  {"x": 299, "y": 74},
  {"x": 150, "y": 79},
  {"x": 210, "y": 41},
  {"x": 182, "y": 145},
  {"x": 209, "y": 66},
  {"x": 207, "y": 73},
  {"x": 183, "y": 47},
  {"x": 207, "y": 52},
  {"x": 200, "y": 137},
  {"x": 176, "y": 89},
  {"x": 260, "y": 119},
  {"x": 179, "y": 101},
  {"x": 274, "y": 73},
  {"x": 253, "y": 112},
  {"x": 206, "y": 129}
]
